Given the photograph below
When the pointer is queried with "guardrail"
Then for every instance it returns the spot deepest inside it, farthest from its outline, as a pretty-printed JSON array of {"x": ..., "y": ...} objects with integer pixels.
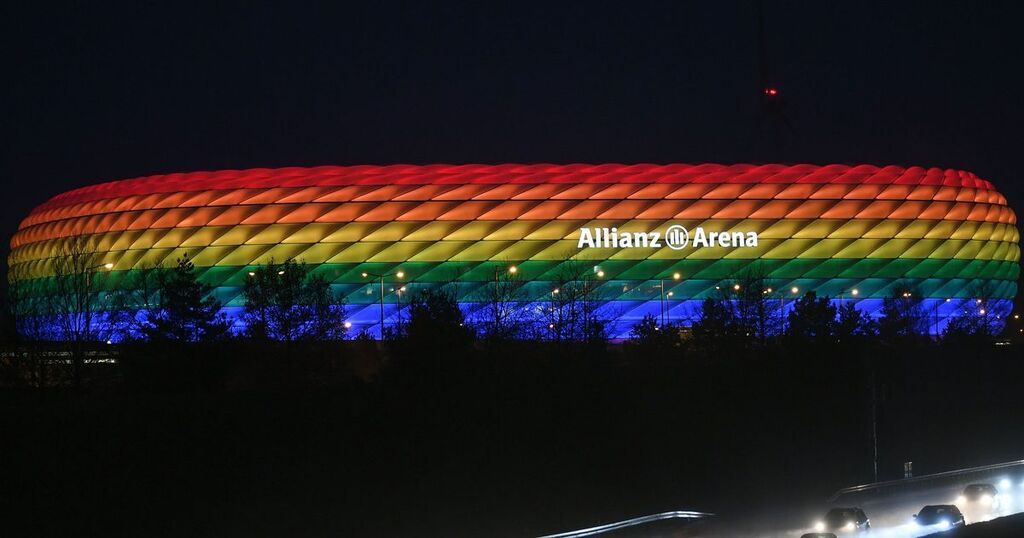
[
  {"x": 924, "y": 478},
  {"x": 673, "y": 514}
]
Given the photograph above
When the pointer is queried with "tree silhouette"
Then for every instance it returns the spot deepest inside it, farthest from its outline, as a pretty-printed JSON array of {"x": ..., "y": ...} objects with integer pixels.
[
  {"x": 504, "y": 315},
  {"x": 755, "y": 308},
  {"x": 852, "y": 325},
  {"x": 186, "y": 311},
  {"x": 903, "y": 319},
  {"x": 813, "y": 319},
  {"x": 571, "y": 312},
  {"x": 284, "y": 302},
  {"x": 718, "y": 326},
  {"x": 649, "y": 337},
  {"x": 436, "y": 326}
]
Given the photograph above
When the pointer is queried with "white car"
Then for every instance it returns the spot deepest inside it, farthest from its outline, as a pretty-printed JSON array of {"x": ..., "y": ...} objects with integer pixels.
[
  {"x": 979, "y": 496},
  {"x": 844, "y": 521}
]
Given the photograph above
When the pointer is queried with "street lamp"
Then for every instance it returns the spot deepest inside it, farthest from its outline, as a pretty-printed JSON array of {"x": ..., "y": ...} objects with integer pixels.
[
  {"x": 782, "y": 304},
  {"x": 89, "y": 271},
  {"x": 511, "y": 270},
  {"x": 397, "y": 274},
  {"x": 88, "y": 282},
  {"x": 675, "y": 276},
  {"x": 399, "y": 293},
  {"x": 842, "y": 295}
]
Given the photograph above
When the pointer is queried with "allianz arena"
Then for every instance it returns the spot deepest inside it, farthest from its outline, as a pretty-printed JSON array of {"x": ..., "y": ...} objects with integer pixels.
[{"x": 655, "y": 238}]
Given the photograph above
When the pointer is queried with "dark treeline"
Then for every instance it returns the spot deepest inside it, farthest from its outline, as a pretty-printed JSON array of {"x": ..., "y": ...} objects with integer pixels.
[{"x": 493, "y": 424}]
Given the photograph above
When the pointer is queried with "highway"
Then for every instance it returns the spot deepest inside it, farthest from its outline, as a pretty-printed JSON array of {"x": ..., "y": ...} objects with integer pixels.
[{"x": 889, "y": 505}]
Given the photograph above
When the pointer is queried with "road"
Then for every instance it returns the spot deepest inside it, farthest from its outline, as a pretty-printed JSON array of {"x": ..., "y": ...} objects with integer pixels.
[
  {"x": 890, "y": 509},
  {"x": 891, "y": 513}
]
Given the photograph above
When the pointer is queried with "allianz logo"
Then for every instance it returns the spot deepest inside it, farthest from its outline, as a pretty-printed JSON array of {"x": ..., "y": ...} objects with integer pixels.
[{"x": 675, "y": 237}]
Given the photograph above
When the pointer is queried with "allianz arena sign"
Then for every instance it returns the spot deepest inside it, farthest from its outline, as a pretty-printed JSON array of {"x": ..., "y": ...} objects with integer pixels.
[{"x": 675, "y": 237}]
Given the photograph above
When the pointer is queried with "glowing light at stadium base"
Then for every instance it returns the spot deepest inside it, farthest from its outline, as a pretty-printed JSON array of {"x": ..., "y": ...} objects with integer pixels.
[{"x": 945, "y": 234}]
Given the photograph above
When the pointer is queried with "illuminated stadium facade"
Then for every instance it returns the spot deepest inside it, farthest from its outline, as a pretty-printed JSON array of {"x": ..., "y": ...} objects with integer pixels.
[{"x": 653, "y": 239}]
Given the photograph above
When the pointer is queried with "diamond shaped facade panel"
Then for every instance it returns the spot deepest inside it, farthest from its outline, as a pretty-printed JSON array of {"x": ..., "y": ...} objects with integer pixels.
[{"x": 832, "y": 229}]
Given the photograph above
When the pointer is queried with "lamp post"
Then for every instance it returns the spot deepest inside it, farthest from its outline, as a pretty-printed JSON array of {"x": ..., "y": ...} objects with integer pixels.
[
  {"x": 512, "y": 270},
  {"x": 88, "y": 279},
  {"x": 782, "y": 299},
  {"x": 502, "y": 294},
  {"x": 95, "y": 268},
  {"x": 842, "y": 295},
  {"x": 399, "y": 293},
  {"x": 675, "y": 276},
  {"x": 397, "y": 274}
]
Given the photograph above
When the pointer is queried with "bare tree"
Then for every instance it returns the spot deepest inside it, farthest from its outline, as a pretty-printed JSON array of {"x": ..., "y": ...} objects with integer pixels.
[
  {"x": 504, "y": 315},
  {"x": 72, "y": 299},
  {"x": 903, "y": 317},
  {"x": 135, "y": 298},
  {"x": 571, "y": 312},
  {"x": 26, "y": 309},
  {"x": 756, "y": 310},
  {"x": 26, "y": 305},
  {"x": 974, "y": 320}
]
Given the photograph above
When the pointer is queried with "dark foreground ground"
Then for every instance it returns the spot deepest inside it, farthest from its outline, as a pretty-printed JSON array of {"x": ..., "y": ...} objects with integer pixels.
[
  {"x": 497, "y": 446},
  {"x": 1004, "y": 527}
]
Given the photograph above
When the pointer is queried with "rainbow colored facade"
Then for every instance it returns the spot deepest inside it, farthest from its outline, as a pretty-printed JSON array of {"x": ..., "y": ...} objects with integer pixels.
[{"x": 830, "y": 229}]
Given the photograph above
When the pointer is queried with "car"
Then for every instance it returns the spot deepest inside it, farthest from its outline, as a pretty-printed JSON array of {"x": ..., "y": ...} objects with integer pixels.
[
  {"x": 942, "y": 516},
  {"x": 844, "y": 520},
  {"x": 979, "y": 495}
]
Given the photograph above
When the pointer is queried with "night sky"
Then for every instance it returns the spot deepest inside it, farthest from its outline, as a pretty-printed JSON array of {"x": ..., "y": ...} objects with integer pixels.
[{"x": 99, "y": 92}]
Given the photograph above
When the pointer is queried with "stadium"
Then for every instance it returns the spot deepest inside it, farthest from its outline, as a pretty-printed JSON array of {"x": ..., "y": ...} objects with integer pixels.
[{"x": 648, "y": 239}]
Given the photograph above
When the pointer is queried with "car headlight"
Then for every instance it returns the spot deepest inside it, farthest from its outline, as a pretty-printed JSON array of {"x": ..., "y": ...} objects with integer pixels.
[
  {"x": 943, "y": 524},
  {"x": 849, "y": 526},
  {"x": 961, "y": 500},
  {"x": 1004, "y": 483},
  {"x": 819, "y": 526}
]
